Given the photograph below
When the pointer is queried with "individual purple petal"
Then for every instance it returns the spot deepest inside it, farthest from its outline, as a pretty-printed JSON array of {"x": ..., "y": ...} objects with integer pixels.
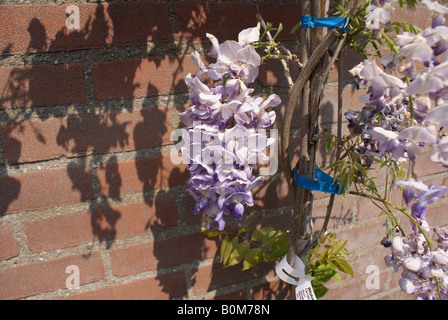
[
  {"x": 407, "y": 286},
  {"x": 424, "y": 84},
  {"x": 418, "y": 50},
  {"x": 228, "y": 51},
  {"x": 248, "y": 55},
  {"x": 215, "y": 45},
  {"x": 249, "y": 35},
  {"x": 419, "y": 209},
  {"x": 408, "y": 194},
  {"x": 433, "y": 193},
  {"x": 238, "y": 211},
  {"x": 438, "y": 20},
  {"x": 419, "y": 185},
  {"x": 440, "y": 257},
  {"x": 272, "y": 101},
  {"x": 418, "y": 134},
  {"x": 435, "y": 6},
  {"x": 438, "y": 116},
  {"x": 240, "y": 197}
]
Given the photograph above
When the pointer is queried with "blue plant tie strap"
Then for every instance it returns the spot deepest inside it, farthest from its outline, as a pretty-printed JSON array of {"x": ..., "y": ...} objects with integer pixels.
[
  {"x": 327, "y": 22},
  {"x": 324, "y": 182}
]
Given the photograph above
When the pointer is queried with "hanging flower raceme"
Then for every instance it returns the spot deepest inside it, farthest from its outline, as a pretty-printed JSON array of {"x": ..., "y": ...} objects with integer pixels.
[
  {"x": 424, "y": 265},
  {"x": 225, "y": 136},
  {"x": 393, "y": 105}
]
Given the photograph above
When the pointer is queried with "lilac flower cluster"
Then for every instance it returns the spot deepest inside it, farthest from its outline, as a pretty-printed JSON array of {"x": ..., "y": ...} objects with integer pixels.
[
  {"x": 424, "y": 267},
  {"x": 405, "y": 111},
  {"x": 225, "y": 135}
]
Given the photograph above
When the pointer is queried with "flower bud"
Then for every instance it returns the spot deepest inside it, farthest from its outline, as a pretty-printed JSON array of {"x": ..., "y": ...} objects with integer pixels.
[
  {"x": 412, "y": 264},
  {"x": 440, "y": 257},
  {"x": 407, "y": 286},
  {"x": 397, "y": 245}
]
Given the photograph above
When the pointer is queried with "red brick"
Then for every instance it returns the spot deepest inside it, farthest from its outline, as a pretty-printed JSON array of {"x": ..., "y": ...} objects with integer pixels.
[
  {"x": 272, "y": 193},
  {"x": 425, "y": 166},
  {"x": 438, "y": 215},
  {"x": 41, "y": 85},
  {"x": 8, "y": 243},
  {"x": 44, "y": 189},
  {"x": 274, "y": 290},
  {"x": 27, "y": 280},
  {"x": 226, "y": 19},
  {"x": 42, "y": 28},
  {"x": 398, "y": 295},
  {"x": 420, "y": 16},
  {"x": 359, "y": 263},
  {"x": 342, "y": 213},
  {"x": 367, "y": 209},
  {"x": 161, "y": 254},
  {"x": 141, "y": 175},
  {"x": 234, "y": 295},
  {"x": 163, "y": 287},
  {"x": 329, "y": 110},
  {"x": 52, "y": 138},
  {"x": 272, "y": 73},
  {"x": 214, "y": 276},
  {"x": 103, "y": 224},
  {"x": 139, "y": 78},
  {"x": 355, "y": 291},
  {"x": 363, "y": 236}
]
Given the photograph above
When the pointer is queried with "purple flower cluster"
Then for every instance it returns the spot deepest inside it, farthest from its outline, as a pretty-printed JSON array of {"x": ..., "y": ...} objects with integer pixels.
[
  {"x": 405, "y": 111},
  {"x": 422, "y": 266},
  {"x": 225, "y": 135}
]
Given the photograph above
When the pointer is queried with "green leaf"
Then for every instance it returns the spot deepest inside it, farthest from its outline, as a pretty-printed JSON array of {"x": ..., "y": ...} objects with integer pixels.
[
  {"x": 252, "y": 258},
  {"x": 267, "y": 257},
  {"x": 320, "y": 291},
  {"x": 323, "y": 274},
  {"x": 259, "y": 234},
  {"x": 225, "y": 250},
  {"x": 270, "y": 238},
  {"x": 242, "y": 230},
  {"x": 342, "y": 265},
  {"x": 296, "y": 27},
  {"x": 238, "y": 253},
  {"x": 280, "y": 246},
  {"x": 338, "y": 247},
  {"x": 211, "y": 233}
]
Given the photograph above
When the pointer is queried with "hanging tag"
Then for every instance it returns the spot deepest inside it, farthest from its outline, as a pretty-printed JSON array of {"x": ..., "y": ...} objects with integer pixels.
[
  {"x": 304, "y": 291},
  {"x": 294, "y": 276}
]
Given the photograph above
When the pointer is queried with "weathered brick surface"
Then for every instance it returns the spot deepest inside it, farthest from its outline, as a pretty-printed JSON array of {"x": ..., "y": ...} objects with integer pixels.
[
  {"x": 41, "y": 85},
  {"x": 163, "y": 287},
  {"x": 45, "y": 189},
  {"x": 139, "y": 78},
  {"x": 161, "y": 254},
  {"x": 7, "y": 242},
  {"x": 140, "y": 175},
  {"x": 226, "y": 19},
  {"x": 103, "y": 223},
  {"x": 72, "y": 136},
  {"x": 41, "y": 28},
  {"x": 34, "y": 278}
]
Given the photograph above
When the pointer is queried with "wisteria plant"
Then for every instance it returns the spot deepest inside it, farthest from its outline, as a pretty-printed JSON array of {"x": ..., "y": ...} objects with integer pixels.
[{"x": 404, "y": 113}]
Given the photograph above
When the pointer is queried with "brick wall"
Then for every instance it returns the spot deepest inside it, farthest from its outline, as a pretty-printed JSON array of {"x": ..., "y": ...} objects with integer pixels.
[{"x": 85, "y": 173}]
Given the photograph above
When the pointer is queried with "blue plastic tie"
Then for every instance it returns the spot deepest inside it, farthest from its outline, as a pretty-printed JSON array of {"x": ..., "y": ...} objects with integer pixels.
[
  {"x": 328, "y": 22},
  {"x": 324, "y": 182}
]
